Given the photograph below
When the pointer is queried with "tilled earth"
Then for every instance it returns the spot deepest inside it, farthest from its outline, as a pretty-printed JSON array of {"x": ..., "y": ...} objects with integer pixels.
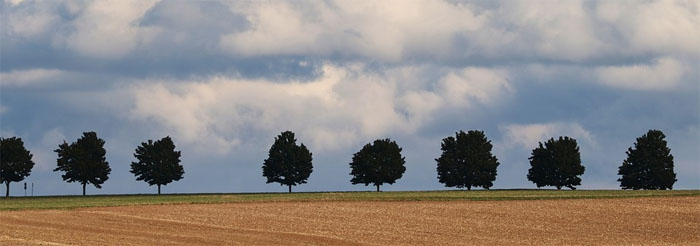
[{"x": 643, "y": 221}]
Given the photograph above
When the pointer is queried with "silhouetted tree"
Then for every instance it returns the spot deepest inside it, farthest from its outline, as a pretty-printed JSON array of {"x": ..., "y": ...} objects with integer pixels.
[
  {"x": 287, "y": 163},
  {"x": 84, "y": 161},
  {"x": 15, "y": 161},
  {"x": 649, "y": 165},
  {"x": 556, "y": 163},
  {"x": 467, "y": 161},
  {"x": 377, "y": 163},
  {"x": 158, "y": 162}
]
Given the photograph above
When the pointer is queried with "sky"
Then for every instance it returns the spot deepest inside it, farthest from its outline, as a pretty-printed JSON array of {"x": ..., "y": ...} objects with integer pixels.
[{"x": 223, "y": 78}]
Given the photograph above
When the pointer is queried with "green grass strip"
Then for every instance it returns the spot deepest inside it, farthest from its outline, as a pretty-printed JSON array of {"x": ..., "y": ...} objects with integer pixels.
[{"x": 72, "y": 202}]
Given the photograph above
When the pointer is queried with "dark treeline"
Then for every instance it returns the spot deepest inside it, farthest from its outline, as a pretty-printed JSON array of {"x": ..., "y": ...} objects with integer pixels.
[{"x": 466, "y": 161}]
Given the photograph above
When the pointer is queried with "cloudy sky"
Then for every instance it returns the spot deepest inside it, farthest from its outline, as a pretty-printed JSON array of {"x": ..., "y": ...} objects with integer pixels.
[{"x": 223, "y": 78}]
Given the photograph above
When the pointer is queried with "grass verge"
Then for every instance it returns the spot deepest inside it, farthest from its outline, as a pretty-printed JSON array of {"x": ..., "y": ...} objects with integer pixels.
[{"x": 71, "y": 202}]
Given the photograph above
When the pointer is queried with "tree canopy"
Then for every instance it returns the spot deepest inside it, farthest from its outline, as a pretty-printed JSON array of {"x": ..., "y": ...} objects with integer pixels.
[
  {"x": 466, "y": 161},
  {"x": 287, "y": 163},
  {"x": 15, "y": 162},
  {"x": 377, "y": 163},
  {"x": 158, "y": 162},
  {"x": 84, "y": 161},
  {"x": 649, "y": 164},
  {"x": 556, "y": 163}
]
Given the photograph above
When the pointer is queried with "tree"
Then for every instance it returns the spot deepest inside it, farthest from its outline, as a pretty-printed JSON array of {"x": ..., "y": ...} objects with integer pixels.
[
  {"x": 467, "y": 161},
  {"x": 649, "y": 165},
  {"x": 287, "y": 163},
  {"x": 15, "y": 162},
  {"x": 158, "y": 162},
  {"x": 556, "y": 163},
  {"x": 377, "y": 163},
  {"x": 84, "y": 161}
]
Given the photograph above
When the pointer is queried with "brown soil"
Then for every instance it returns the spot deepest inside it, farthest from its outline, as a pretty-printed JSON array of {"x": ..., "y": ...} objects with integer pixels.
[{"x": 645, "y": 221}]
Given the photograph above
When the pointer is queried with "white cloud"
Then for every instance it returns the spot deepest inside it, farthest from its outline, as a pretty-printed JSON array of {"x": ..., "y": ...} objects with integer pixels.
[
  {"x": 397, "y": 68},
  {"x": 14, "y": 2},
  {"x": 44, "y": 158},
  {"x": 386, "y": 30},
  {"x": 561, "y": 30},
  {"x": 392, "y": 31},
  {"x": 109, "y": 29},
  {"x": 19, "y": 78},
  {"x": 474, "y": 84},
  {"x": 343, "y": 105},
  {"x": 664, "y": 73},
  {"x": 420, "y": 103},
  {"x": 32, "y": 21},
  {"x": 528, "y": 135},
  {"x": 658, "y": 27},
  {"x": 42, "y": 150}
]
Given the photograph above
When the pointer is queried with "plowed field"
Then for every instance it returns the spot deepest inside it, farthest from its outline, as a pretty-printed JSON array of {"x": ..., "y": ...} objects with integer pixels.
[{"x": 638, "y": 221}]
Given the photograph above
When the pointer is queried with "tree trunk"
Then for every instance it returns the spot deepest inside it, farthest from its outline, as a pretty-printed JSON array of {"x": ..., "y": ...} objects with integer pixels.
[
  {"x": 158, "y": 189},
  {"x": 290, "y": 188},
  {"x": 7, "y": 192},
  {"x": 469, "y": 187},
  {"x": 377, "y": 188},
  {"x": 558, "y": 187},
  {"x": 84, "y": 188}
]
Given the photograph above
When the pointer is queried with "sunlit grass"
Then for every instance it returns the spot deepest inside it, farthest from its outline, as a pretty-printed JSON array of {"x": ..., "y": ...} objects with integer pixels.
[{"x": 70, "y": 202}]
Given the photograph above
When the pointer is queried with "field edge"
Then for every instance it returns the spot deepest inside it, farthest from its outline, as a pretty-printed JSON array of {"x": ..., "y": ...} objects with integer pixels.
[{"x": 74, "y": 202}]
